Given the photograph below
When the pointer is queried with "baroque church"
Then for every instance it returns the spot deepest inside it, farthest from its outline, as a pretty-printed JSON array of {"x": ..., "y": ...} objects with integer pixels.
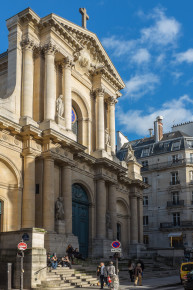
[{"x": 60, "y": 177}]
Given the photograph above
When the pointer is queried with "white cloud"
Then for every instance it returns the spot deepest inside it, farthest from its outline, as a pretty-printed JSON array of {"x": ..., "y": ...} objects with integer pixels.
[
  {"x": 165, "y": 30},
  {"x": 142, "y": 55},
  {"x": 139, "y": 85},
  {"x": 174, "y": 112},
  {"x": 119, "y": 46},
  {"x": 186, "y": 56}
]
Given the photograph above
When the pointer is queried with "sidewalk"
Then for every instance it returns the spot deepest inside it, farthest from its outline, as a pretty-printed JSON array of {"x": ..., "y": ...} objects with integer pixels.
[{"x": 154, "y": 283}]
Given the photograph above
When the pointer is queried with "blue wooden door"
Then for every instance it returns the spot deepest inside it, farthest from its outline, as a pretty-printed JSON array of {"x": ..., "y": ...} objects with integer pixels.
[{"x": 80, "y": 217}]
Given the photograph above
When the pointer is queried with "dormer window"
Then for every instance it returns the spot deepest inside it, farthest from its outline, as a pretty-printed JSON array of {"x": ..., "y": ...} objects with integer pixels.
[
  {"x": 145, "y": 152},
  {"x": 190, "y": 143},
  {"x": 176, "y": 145}
]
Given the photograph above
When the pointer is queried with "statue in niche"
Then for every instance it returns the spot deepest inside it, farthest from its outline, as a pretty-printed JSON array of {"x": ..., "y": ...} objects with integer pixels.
[
  {"x": 107, "y": 137},
  {"x": 108, "y": 221},
  {"x": 59, "y": 209},
  {"x": 60, "y": 106},
  {"x": 130, "y": 154}
]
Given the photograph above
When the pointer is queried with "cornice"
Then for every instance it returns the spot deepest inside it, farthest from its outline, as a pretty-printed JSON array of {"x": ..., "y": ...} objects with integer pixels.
[
  {"x": 110, "y": 164},
  {"x": 65, "y": 141}
]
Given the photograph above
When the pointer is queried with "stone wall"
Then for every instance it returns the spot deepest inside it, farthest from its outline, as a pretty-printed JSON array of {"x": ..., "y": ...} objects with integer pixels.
[{"x": 34, "y": 260}]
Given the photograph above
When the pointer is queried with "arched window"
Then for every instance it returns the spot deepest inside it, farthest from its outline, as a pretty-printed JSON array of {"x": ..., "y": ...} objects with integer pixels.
[
  {"x": 74, "y": 123},
  {"x": 119, "y": 232}
]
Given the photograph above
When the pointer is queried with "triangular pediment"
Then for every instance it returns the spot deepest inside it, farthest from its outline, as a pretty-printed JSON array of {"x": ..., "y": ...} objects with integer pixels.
[{"x": 90, "y": 40}]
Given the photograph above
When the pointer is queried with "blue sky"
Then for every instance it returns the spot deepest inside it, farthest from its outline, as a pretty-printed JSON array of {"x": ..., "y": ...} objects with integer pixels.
[{"x": 150, "y": 43}]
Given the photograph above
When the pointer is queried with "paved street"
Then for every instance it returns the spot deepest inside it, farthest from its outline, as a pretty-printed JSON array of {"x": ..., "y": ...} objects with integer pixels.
[{"x": 172, "y": 283}]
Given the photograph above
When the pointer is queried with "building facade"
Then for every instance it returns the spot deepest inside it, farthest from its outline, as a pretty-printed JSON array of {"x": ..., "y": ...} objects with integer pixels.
[
  {"x": 59, "y": 171},
  {"x": 167, "y": 168}
]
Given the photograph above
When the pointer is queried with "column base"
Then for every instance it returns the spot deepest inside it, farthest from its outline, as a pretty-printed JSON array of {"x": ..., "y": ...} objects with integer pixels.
[
  {"x": 60, "y": 227},
  {"x": 57, "y": 243},
  {"x": 48, "y": 124},
  {"x": 23, "y": 121},
  {"x": 51, "y": 124},
  {"x": 60, "y": 121},
  {"x": 102, "y": 154}
]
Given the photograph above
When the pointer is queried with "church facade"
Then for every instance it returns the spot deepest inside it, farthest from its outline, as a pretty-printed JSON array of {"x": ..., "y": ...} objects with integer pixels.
[{"x": 59, "y": 171}]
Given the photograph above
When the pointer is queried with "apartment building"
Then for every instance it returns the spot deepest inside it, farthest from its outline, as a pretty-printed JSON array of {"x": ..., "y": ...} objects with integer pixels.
[{"x": 167, "y": 167}]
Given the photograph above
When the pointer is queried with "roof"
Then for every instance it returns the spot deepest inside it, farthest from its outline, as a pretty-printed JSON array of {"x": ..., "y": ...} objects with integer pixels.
[{"x": 171, "y": 142}]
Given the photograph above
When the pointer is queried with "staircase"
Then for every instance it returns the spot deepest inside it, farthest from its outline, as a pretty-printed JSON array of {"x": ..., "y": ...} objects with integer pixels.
[{"x": 66, "y": 278}]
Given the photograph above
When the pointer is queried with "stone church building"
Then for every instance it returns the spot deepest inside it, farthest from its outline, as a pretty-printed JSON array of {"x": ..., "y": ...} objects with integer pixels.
[{"x": 60, "y": 177}]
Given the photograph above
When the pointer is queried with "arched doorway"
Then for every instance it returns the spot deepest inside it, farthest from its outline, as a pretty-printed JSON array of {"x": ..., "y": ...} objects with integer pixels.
[{"x": 80, "y": 217}]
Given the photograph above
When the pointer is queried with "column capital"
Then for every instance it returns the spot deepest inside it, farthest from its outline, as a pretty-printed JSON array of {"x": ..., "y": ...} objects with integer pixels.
[
  {"x": 67, "y": 63},
  {"x": 111, "y": 101},
  {"x": 28, "y": 44},
  {"x": 100, "y": 92},
  {"x": 50, "y": 48}
]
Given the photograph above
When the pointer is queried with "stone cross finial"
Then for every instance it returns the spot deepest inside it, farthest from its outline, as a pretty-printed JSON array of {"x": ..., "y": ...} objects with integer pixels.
[{"x": 85, "y": 16}]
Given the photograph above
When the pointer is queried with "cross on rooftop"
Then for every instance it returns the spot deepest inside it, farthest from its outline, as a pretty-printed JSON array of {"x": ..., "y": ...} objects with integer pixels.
[{"x": 85, "y": 16}]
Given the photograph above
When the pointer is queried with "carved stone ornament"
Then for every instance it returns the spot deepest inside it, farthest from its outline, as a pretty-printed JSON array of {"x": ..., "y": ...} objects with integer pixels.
[
  {"x": 130, "y": 154},
  {"x": 107, "y": 137},
  {"x": 50, "y": 48},
  {"x": 28, "y": 44},
  {"x": 59, "y": 209},
  {"x": 60, "y": 106},
  {"x": 84, "y": 59}
]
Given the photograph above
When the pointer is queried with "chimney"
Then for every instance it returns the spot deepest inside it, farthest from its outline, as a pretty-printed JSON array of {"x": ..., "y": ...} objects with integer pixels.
[
  {"x": 150, "y": 132},
  {"x": 158, "y": 129}
]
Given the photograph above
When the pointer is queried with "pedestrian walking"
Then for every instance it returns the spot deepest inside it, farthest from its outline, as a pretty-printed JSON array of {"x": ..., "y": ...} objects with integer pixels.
[
  {"x": 138, "y": 275},
  {"x": 103, "y": 275},
  {"x": 131, "y": 267},
  {"x": 110, "y": 272}
]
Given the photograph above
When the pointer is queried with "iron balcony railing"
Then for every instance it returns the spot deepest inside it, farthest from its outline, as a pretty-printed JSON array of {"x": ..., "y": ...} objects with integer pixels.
[
  {"x": 183, "y": 224},
  {"x": 175, "y": 204},
  {"x": 167, "y": 164}
]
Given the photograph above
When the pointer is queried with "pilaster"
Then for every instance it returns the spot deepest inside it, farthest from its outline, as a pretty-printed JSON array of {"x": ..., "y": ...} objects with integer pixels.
[
  {"x": 48, "y": 194},
  {"x": 27, "y": 82},
  {"x": 67, "y": 197},
  {"x": 100, "y": 209},
  {"x": 111, "y": 111},
  {"x": 67, "y": 67},
  {"x": 50, "y": 88},
  {"x": 112, "y": 208},
  {"x": 100, "y": 119},
  {"x": 28, "y": 203}
]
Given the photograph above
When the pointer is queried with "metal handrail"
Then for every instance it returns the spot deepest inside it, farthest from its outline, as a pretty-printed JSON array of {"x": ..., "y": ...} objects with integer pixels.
[{"x": 35, "y": 273}]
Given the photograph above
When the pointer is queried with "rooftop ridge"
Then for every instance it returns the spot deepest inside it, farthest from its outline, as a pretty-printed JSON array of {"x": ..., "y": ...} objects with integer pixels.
[
  {"x": 182, "y": 124},
  {"x": 5, "y": 53}
]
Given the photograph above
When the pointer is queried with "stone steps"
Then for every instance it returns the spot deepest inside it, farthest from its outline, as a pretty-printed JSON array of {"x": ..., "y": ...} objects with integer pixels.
[{"x": 65, "y": 278}]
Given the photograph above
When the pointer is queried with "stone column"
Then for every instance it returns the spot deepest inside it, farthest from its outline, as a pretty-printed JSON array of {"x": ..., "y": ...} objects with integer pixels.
[
  {"x": 140, "y": 219},
  {"x": 27, "y": 79},
  {"x": 112, "y": 209},
  {"x": 28, "y": 205},
  {"x": 111, "y": 105},
  {"x": 67, "y": 66},
  {"x": 50, "y": 85},
  {"x": 67, "y": 197},
  {"x": 48, "y": 194},
  {"x": 134, "y": 220},
  {"x": 100, "y": 209},
  {"x": 100, "y": 120}
]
